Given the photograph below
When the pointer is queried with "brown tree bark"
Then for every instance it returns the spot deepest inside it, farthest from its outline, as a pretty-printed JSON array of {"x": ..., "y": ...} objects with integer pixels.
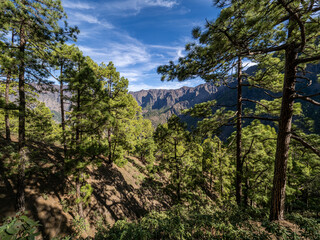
[
  {"x": 6, "y": 116},
  {"x": 7, "y": 101},
  {"x": 63, "y": 126},
  {"x": 20, "y": 197},
  {"x": 284, "y": 135}
]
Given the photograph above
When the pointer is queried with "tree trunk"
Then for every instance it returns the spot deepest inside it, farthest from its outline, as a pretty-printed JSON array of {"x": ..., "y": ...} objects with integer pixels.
[
  {"x": 6, "y": 116},
  {"x": 20, "y": 197},
  {"x": 246, "y": 193},
  {"x": 79, "y": 175},
  {"x": 221, "y": 176},
  {"x": 284, "y": 135},
  {"x": 63, "y": 126},
  {"x": 239, "y": 172},
  {"x": 178, "y": 173}
]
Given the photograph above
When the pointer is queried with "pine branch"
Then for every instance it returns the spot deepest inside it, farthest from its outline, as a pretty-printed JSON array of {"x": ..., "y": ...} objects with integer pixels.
[
  {"x": 308, "y": 99},
  {"x": 249, "y": 150},
  {"x": 306, "y": 144},
  {"x": 262, "y": 118},
  {"x": 306, "y": 60},
  {"x": 256, "y": 102}
]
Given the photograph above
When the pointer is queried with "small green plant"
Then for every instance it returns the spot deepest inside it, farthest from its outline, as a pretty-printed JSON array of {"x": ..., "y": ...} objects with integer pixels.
[
  {"x": 65, "y": 205},
  {"x": 19, "y": 227},
  {"x": 79, "y": 226},
  {"x": 45, "y": 196}
]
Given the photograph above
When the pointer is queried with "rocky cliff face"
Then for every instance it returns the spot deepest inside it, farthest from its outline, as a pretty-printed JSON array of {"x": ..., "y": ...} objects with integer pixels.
[
  {"x": 185, "y": 96},
  {"x": 159, "y": 104}
]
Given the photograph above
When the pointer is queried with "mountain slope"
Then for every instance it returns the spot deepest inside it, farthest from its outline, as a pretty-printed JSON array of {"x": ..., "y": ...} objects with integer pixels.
[{"x": 159, "y": 104}]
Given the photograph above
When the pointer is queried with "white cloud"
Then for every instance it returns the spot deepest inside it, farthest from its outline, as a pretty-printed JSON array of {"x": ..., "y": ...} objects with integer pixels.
[
  {"x": 160, "y": 3},
  {"x": 135, "y": 60},
  {"x": 80, "y": 17},
  {"x": 77, "y": 5},
  {"x": 247, "y": 63},
  {"x": 140, "y": 86},
  {"x": 165, "y": 85},
  {"x": 127, "y": 54},
  {"x": 135, "y": 6},
  {"x": 121, "y": 54}
]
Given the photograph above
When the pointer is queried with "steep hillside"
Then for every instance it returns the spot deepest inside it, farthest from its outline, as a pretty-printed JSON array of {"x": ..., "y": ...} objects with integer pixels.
[{"x": 126, "y": 192}]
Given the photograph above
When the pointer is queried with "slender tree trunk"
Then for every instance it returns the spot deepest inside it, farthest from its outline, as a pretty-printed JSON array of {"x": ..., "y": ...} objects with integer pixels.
[
  {"x": 211, "y": 175},
  {"x": 178, "y": 172},
  {"x": 109, "y": 129},
  {"x": 20, "y": 197},
  {"x": 79, "y": 174},
  {"x": 239, "y": 172},
  {"x": 284, "y": 135},
  {"x": 246, "y": 193},
  {"x": 63, "y": 126},
  {"x": 221, "y": 177},
  {"x": 6, "y": 116}
]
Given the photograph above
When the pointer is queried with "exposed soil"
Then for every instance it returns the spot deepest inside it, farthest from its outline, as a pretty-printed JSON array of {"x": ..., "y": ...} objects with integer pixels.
[{"x": 118, "y": 193}]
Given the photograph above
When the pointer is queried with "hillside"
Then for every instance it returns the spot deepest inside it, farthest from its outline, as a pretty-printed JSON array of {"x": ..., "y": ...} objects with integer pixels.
[{"x": 118, "y": 192}]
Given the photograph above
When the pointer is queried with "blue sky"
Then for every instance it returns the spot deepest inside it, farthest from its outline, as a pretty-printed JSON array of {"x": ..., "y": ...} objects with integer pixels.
[{"x": 138, "y": 35}]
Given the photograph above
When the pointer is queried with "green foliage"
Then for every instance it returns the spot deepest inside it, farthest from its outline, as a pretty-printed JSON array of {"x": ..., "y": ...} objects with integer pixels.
[
  {"x": 19, "y": 227},
  {"x": 216, "y": 166},
  {"x": 259, "y": 144},
  {"x": 280, "y": 232},
  {"x": 204, "y": 223},
  {"x": 180, "y": 156},
  {"x": 79, "y": 226},
  {"x": 144, "y": 143},
  {"x": 40, "y": 124},
  {"x": 310, "y": 227}
]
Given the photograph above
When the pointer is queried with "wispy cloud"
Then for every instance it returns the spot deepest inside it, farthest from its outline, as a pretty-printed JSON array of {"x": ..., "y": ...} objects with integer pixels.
[
  {"x": 121, "y": 54},
  {"x": 165, "y": 85},
  {"x": 135, "y": 6},
  {"x": 80, "y": 17},
  {"x": 160, "y": 3},
  {"x": 77, "y": 5},
  {"x": 134, "y": 59}
]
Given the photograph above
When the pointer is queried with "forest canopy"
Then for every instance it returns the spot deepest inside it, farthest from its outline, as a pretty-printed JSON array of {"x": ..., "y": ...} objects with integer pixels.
[{"x": 245, "y": 170}]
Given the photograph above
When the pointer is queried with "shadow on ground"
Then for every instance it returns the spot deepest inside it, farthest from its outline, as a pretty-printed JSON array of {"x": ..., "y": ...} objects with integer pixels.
[{"x": 118, "y": 193}]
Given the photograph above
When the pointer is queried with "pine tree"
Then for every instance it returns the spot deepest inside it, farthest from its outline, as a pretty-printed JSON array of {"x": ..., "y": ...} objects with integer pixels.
[
  {"x": 62, "y": 61},
  {"x": 37, "y": 26},
  {"x": 179, "y": 155},
  {"x": 287, "y": 28}
]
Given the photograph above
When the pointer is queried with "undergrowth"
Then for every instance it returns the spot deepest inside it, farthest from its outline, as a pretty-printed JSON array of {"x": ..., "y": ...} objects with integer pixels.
[{"x": 208, "y": 223}]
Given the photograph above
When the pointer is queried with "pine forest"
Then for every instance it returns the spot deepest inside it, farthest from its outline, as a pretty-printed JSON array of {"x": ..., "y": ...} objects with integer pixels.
[{"x": 242, "y": 163}]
